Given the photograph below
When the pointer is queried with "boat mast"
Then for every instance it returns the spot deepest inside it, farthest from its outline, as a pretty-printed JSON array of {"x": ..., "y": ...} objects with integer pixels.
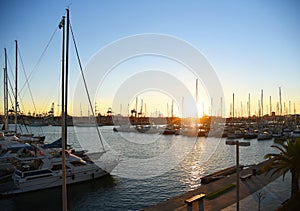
[
  {"x": 221, "y": 112},
  {"x": 182, "y": 104},
  {"x": 262, "y": 103},
  {"x": 270, "y": 105},
  {"x": 197, "y": 98},
  {"x": 63, "y": 123},
  {"x": 5, "y": 92},
  {"x": 141, "y": 111},
  {"x": 211, "y": 107},
  {"x": 136, "y": 105},
  {"x": 197, "y": 92},
  {"x": 67, "y": 73},
  {"x": 233, "y": 105},
  {"x": 249, "y": 111},
  {"x": 16, "y": 89},
  {"x": 172, "y": 114},
  {"x": 280, "y": 103}
]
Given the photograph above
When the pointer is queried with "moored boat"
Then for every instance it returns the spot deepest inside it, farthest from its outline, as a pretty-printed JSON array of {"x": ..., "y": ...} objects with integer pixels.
[
  {"x": 44, "y": 172},
  {"x": 264, "y": 136},
  {"x": 296, "y": 133},
  {"x": 170, "y": 130},
  {"x": 235, "y": 135},
  {"x": 250, "y": 135}
]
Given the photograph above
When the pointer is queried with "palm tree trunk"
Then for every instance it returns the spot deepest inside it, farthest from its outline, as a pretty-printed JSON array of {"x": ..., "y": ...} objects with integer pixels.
[{"x": 295, "y": 183}]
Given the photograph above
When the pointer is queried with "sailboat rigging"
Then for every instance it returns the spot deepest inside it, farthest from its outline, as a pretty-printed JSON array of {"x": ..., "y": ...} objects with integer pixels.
[
  {"x": 86, "y": 88},
  {"x": 57, "y": 166},
  {"x": 5, "y": 126}
]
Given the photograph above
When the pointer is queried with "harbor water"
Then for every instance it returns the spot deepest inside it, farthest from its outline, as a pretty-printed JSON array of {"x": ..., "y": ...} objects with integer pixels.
[{"x": 192, "y": 159}]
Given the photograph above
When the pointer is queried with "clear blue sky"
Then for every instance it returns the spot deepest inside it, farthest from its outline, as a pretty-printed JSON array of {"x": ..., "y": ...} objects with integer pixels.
[{"x": 252, "y": 45}]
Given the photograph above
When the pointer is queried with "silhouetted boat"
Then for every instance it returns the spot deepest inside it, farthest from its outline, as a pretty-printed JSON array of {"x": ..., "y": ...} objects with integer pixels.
[
  {"x": 170, "y": 130},
  {"x": 264, "y": 136},
  {"x": 235, "y": 135},
  {"x": 250, "y": 135}
]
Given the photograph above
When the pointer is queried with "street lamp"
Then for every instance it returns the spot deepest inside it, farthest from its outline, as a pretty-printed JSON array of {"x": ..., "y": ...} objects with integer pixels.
[{"x": 244, "y": 144}]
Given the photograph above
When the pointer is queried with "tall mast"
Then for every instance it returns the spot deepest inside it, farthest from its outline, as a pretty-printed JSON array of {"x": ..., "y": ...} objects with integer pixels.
[
  {"x": 63, "y": 119},
  {"x": 65, "y": 205},
  {"x": 249, "y": 112},
  {"x": 197, "y": 92},
  {"x": 141, "y": 111},
  {"x": 197, "y": 98},
  {"x": 136, "y": 104},
  {"x": 168, "y": 113},
  {"x": 211, "y": 106},
  {"x": 280, "y": 103},
  {"x": 233, "y": 105},
  {"x": 262, "y": 103},
  {"x": 16, "y": 89},
  {"x": 182, "y": 104},
  {"x": 221, "y": 107},
  {"x": 172, "y": 114},
  {"x": 5, "y": 92},
  {"x": 259, "y": 109},
  {"x": 241, "y": 109},
  {"x": 67, "y": 73},
  {"x": 270, "y": 105}
]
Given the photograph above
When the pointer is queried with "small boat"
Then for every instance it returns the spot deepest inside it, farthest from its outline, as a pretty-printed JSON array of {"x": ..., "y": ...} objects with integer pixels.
[
  {"x": 124, "y": 128},
  {"x": 250, "y": 135},
  {"x": 149, "y": 129},
  {"x": 235, "y": 135},
  {"x": 189, "y": 131},
  {"x": 170, "y": 130},
  {"x": 264, "y": 136},
  {"x": 202, "y": 133},
  {"x": 295, "y": 133}
]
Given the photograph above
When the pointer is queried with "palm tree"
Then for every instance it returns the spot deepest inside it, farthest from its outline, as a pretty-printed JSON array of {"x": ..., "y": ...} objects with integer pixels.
[{"x": 288, "y": 159}]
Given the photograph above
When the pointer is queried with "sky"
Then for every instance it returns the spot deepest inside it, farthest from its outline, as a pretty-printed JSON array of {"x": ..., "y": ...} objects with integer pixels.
[{"x": 251, "y": 45}]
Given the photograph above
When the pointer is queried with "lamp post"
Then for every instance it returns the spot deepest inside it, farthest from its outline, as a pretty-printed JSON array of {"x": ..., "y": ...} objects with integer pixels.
[{"x": 237, "y": 144}]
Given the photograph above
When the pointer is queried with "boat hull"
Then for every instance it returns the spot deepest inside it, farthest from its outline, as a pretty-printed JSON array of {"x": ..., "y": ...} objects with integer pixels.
[{"x": 53, "y": 180}]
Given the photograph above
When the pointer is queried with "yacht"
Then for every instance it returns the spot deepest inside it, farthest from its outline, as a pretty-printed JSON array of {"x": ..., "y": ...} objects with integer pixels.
[{"x": 45, "y": 171}]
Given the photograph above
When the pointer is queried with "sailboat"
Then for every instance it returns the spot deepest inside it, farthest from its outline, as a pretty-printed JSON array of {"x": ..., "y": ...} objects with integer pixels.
[
  {"x": 53, "y": 166},
  {"x": 23, "y": 138},
  {"x": 11, "y": 143}
]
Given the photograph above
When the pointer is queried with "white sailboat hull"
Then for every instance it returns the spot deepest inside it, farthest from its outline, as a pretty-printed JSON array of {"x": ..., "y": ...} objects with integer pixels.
[{"x": 46, "y": 181}]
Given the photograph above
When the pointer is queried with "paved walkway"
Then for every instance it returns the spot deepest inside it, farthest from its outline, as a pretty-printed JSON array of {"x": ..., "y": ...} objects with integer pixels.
[
  {"x": 273, "y": 194},
  {"x": 271, "y": 188}
]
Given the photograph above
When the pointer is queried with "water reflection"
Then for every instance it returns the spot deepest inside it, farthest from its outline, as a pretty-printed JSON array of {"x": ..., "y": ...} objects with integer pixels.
[{"x": 79, "y": 195}]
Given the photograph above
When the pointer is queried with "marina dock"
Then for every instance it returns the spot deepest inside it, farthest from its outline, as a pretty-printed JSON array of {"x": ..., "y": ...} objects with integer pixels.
[{"x": 247, "y": 187}]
